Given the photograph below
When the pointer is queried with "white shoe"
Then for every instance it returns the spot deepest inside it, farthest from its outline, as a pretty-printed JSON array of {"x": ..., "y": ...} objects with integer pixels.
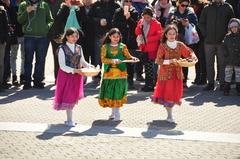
[
  {"x": 170, "y": 120},
  {"x": 70, "y": 123},
  {"x": 111, "y": 117},
  {"x": 117, "y": 117}
]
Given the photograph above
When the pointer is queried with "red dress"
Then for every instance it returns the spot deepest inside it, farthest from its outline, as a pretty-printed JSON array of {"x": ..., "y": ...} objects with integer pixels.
[{"x": 169, "y": 87}]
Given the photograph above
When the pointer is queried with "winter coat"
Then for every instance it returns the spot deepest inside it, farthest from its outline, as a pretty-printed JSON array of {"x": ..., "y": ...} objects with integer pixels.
[
  {"x": 101, "y": 10},
  {"x": 153, "y": 38},
  {"x": 232, "y": 49},
  {"x": 3, "y": 25},
  {"x": 127, "y": 26},
  {"x": 213, "y": 22}
]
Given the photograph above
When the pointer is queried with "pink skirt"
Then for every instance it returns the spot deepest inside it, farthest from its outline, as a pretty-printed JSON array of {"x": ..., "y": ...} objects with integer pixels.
[{"x": 69, "y": 89}]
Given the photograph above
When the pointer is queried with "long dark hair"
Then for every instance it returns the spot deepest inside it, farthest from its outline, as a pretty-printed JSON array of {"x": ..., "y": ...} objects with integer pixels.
[
  {"x": 166, "y": 30},
  {"x": 69, "y": 31},
  {"x": 111, "y": 32}
]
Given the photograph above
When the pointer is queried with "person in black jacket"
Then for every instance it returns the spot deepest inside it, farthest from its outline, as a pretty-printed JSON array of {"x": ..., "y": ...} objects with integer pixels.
[
  {"x": 3, "y": 39},
  {"x": 57, "y": 30},
  {"x": 126, "y": 22},
  {"x": 232, "y": 55},
  {"x": 213, "y": 25},
  {"x": 102, "y": 13}
]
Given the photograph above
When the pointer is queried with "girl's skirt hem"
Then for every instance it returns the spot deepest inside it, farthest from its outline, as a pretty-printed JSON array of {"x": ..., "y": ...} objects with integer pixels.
[
  {"x": 165, "y": 103},
  {"x": 112, "y": 103}
]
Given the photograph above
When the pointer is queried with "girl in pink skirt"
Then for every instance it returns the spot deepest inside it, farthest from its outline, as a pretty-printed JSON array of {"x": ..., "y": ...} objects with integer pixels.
[{"x": 69, "y": 85}]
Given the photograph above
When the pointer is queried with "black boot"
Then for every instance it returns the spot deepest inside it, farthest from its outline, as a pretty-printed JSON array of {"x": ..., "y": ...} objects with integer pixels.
[
  {"x": 226, "y": 89},
  {"x": 238, "y": 88},
  {"x": 14, "y": 80}
]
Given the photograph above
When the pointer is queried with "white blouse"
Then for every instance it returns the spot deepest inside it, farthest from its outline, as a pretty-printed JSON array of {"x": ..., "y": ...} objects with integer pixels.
[
  {"x": 172, "y": 45},
  {"x": 62, "y": 62}
]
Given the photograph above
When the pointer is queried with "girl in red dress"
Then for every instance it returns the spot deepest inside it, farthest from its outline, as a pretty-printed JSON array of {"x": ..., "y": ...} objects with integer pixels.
[{"x": 169, "y": 86}]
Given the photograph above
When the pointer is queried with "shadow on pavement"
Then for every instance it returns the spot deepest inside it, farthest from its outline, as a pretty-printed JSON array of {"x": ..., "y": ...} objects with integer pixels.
[
  {"x": 197, "y": 97},
  {"x": 161, "y": 127},
  {"x": 14, "y": 94},
  {"x": 52, "y": 131},
  {"x": 99, "y": 127}
]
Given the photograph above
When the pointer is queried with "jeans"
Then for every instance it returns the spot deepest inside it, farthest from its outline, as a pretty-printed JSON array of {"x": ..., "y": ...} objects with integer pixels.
[
  {"x": 13, "y": 56},
  {"x": 39, "y": 46}
]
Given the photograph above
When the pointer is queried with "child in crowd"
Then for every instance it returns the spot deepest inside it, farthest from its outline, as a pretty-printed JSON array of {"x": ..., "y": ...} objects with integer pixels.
[
  {"x": 169, "y": 87},
  {"x": 232, "y": 55},
  {"x": 113, "y": 91},
  {"x": 69, "y": 85}
]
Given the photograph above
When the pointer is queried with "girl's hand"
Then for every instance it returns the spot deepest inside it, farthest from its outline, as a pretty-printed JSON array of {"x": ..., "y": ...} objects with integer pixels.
[
  {"x": 78, "y": 71},
  {"x": 194, "y": 58},
  {"x": 116, "y": 61},
  {"x": 174, "y": 61}
]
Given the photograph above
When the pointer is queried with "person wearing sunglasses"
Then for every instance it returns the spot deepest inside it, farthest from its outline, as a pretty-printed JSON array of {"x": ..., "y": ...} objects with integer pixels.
[{"x": 183, "y": 16}]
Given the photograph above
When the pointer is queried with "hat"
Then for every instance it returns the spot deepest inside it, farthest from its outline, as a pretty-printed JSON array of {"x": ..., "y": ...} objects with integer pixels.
[
  {"x": 147, "y": 11},
  {"x": 234, "y": 22}
]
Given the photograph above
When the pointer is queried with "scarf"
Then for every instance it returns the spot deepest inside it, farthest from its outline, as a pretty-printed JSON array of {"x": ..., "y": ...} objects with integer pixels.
[
  {"x": 72, "y": 19},
  {"x": 165, "y": 8},
  {"x": 146, "y": 27}
]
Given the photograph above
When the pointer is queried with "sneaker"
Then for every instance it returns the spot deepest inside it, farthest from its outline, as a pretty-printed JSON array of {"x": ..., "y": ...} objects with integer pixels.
[
  {"x": 27, "y": 86},
  {"x": 209, "y": 87},
  {"x": 14, "y": 80},
  {"x": 170, "y": 120},
  {"x": 70, "y": 123},
  {"x": 111, "y": 117}
]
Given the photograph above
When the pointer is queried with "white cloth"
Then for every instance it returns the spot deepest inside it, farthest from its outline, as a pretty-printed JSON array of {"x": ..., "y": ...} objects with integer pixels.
[
  {"x": 172, "y": 44},
  {"x": 62, "y": 62}
]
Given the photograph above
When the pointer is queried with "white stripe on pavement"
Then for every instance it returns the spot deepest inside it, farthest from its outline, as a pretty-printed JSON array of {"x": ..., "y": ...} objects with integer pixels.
[{"x": 119, "y": 131}]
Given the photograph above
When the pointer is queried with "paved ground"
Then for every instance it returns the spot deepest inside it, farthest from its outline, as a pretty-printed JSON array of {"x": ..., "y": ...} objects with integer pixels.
[{"x": 201, "y": 112}]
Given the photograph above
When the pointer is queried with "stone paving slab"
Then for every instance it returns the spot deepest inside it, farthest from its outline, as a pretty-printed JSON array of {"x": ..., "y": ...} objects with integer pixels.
[{"x": 22, "y": 145}]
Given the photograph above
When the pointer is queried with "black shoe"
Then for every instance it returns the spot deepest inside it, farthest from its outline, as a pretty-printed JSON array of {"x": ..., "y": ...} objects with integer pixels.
[
  {"x": 140, "y": 78},
  {"x": 6, "y": 85},
  {"x": 221, "y": 87},
  {"x": 22, "y": 79},
  {"x": 14, "y": 80},
  {"x": 27, "y": 86},
  {"x": 147, "y": 89},
  {"x": 209, "y": 87},
  {"x": 39, "y": 85}
]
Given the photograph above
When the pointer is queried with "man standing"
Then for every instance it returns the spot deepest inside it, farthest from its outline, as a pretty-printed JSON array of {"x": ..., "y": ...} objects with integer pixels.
[
  {"x": 3, "y": 39},
  {"x": 36, "y": 19},
  {"x": 214, "y": 25}
]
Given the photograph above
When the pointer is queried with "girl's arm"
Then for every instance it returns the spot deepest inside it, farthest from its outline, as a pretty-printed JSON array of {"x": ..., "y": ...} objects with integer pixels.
[
  {"x": 126, "y": 53},
  {"x": 104, "y": 59},
  {"x": 160, "y": 55},
  {"x": 62, "y": 63},
  {"x": 187, "y": 52}
]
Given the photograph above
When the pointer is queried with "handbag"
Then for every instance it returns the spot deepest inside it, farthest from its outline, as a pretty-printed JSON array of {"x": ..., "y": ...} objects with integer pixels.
[{"x": 191, "y": 35}]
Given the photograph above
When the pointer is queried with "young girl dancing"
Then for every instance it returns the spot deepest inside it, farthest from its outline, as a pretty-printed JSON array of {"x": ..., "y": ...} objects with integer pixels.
[
  {"x": 169, "y": 86},
  {"x": 113, "y": 91}
]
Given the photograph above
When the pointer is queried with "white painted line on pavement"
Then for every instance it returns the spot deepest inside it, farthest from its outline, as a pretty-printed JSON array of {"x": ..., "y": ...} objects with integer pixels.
[{"x": 82, "y": 130}]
